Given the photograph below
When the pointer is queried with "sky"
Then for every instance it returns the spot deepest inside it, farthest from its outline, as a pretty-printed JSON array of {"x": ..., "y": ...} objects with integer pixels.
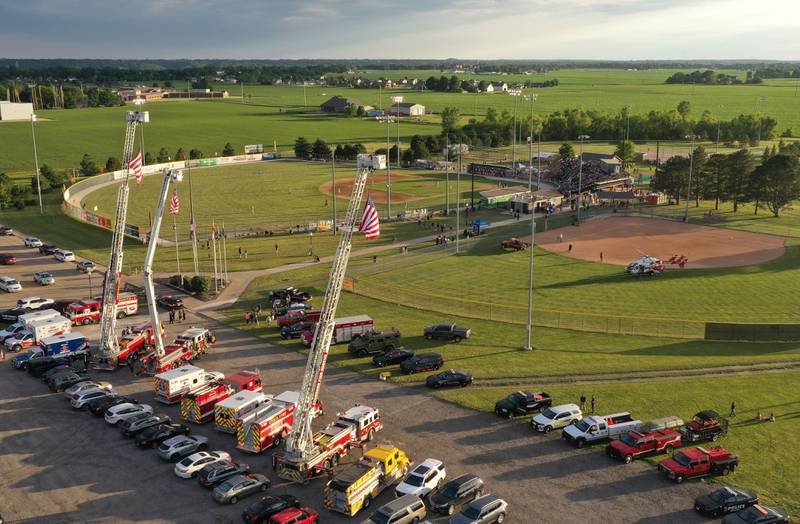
[{"x": 404, "y": 29}]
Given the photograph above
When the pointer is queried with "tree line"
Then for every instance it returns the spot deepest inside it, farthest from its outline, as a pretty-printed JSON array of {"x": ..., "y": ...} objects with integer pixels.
[
  {"x": 55, "y": 96},
  {"x": 709, "y": 77}
]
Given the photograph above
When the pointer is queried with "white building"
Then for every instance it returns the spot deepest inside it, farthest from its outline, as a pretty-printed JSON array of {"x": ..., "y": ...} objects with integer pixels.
[
  {"x": 407, "y": 109},
  {"x": 15, "y": 111}
]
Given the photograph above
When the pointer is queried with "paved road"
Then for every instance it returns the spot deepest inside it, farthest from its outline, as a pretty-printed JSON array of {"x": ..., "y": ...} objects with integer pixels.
[{"x": 57, "y": 465}]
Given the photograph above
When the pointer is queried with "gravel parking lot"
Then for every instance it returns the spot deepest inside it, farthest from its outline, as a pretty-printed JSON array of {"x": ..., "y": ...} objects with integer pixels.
[{"x": 58, "y": 465}]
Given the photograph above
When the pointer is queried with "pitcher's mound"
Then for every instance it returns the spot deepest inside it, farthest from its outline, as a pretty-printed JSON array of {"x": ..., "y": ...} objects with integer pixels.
[{"x": 624, "y": 239}]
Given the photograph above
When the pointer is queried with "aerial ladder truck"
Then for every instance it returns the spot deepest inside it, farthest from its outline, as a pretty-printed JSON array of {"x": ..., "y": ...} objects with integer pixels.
[
  {"x": 305, "y": 454},
  {"x": 108, "y": 351}
]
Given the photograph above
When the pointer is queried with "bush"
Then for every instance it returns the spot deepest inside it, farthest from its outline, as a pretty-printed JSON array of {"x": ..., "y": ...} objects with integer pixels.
[
  {"x": 175, "y": 280},
  {"x": 201, "y": 284},
  {"x": 187, "y": 284}
]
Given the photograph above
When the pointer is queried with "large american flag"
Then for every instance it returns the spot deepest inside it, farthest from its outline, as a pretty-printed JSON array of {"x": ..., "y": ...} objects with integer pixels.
[
  {"x": 370, "y": 222},
  {"x": 175, "y": 204},
  {"x": 136, "y": 165}
]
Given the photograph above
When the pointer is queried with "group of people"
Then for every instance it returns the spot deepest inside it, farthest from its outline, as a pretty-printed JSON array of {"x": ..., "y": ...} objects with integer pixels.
[
  {"x": 254, "y": 316},
  {"x": 583, "y": 403},
  {"x": 759, "y": 416},
  {"x": 178, "y": 314}
]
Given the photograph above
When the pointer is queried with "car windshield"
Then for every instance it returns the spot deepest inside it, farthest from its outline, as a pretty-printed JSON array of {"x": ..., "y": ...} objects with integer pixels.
[
  {"x": 225, "y": 486},
  {"x": 750, "y": 514},
  {"x": 514, "y": 398},
  {"x": 11, "y": 282},
  {"x": 45, "y": 275},
  {"x": 549, "y": 414},
  {"x": 627, "y": 439},
  {"x": 186, "y": 462},
  {"x": 415, "y": 480},
  {"x": 582, "y": 425},
  {"x": 681, "y": 459},
  {"x": 379, "y": 518},
  {"x": 472, "y": 512},
  {"x": 449, "y": 490}
]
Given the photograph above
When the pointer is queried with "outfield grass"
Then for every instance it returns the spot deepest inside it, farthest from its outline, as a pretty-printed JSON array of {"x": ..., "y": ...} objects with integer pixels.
[{"x": 767, "y": 451}]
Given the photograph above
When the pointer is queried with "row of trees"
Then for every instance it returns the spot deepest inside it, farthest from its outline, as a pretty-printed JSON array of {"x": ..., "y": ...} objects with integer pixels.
[
  {"x": 52, "y": 96},
  {"x": 88, "y": 167},
  {"x": 710, "y": 77},
  {"x": 773, "y": 183},
  {"x": 320, "y": 150}
]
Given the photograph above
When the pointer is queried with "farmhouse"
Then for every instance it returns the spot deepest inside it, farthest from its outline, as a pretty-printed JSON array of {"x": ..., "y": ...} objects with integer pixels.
[
  {"x": 406, "y": 109},
  {"x": 15, "y": 111}
]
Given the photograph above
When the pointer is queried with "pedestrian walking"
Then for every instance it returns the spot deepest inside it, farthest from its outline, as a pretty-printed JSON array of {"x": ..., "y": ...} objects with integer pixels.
[
  {"x": 183, "y": 313},
  {"x": 276, "y": 249},
  {"x": 171, "y": 316},
  {"x": 561, "y": 237},
  {"x": 255, "y": 317},
  {"x": 593, "y": 404},
  {"x": 247, "y": 317},
  {"x": 374, "y": 259},
  {"x": 733, "y": 409},
  {"x": 245, "y": 254},
  {"x": 583, "y": 402},
  {"x": 601, "y": 256},
  {"x": 569, "y": 249},
  {"x": 240, "y": 252}
]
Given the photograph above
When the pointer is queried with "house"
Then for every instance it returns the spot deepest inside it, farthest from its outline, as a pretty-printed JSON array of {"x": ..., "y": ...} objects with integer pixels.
[
  {"x": 336, "y": 104},
  {"x": 406, "y": 109},
  {"x": 609, "y": 162},
  {"x": 497, "y": 87}
]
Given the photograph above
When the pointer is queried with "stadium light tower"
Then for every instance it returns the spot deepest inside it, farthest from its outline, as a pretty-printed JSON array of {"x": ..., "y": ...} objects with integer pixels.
[
  {"x": 528, "y": 346},
  {"x": 36, "y": 162},
  {"x": 691, "y": 138},
  {"x": 580, "y": 174},
  {"x": 515, "y": 93},
  {"x": 396, "y": 100}
]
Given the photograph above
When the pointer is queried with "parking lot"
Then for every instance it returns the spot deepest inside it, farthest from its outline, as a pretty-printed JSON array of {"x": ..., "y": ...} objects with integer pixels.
[{"x": 58, "y": 465}]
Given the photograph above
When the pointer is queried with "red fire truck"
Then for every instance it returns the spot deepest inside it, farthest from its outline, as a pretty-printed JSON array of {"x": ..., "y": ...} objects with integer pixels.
[
  {"x": 269, "y": 428},
  {"x": 88, "y": 311},
  {"x": 198, "y": 406},
  {"x": 345, "y": 330},
  {"x": 132, "y": 344},
  {"x": 185, "y": 348},
  {"x": 245, "y": 380}
]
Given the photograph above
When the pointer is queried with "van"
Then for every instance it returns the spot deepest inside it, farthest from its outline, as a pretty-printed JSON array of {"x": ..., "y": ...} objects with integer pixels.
[
  {"x": 404, "y": 510},
  {"x": 422, "y": 362}
]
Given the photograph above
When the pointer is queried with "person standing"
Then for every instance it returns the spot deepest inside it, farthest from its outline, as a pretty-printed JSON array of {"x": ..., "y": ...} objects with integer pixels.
[
  {"x": 255, "y": 317},
  {"x": 601, "y": 257},
  {"x": 2, "y": 352},
  {"x": 733, "y": 409},
  {"x": 569, "y": 249},
  {"x": 561, "y": 237},
  {"x": 183, "y": 312},
  {"x": 171, "y": 316},
  {"x": 583, "y": 402},
  {"x": 276, "y": 249},
  {"x": 593, "y": 404},
  {"x": 246, "y": 317}
]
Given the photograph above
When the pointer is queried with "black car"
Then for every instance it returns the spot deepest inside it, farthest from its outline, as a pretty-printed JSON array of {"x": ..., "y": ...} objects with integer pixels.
[
  {"x": 157, "y": 434},
  {"x": 374, "y": 342},
  {"x": 6, "y": 231},
  {"x": 61, "y": 369},
  {"x": 47, "y": 249},
  {"x": 295, "y": 330},
  {"x": 451, "y": 377},
  {"x": 269, "y": 506},
  {"x": 13, "y": 314},
  {"x": 170, "y": 302},
  {"x": 396, "y": 356},
  {"x": 289, "y": 295},
  {"x": 98, "y": 407},
  {"x": 213, "y": 474},
  {"x": 133, "y": 426},
  {"x": 725, "y": 500},
  {"x": 422, "y": 362},
  {"x": 455, "y": 492},
  {"x": 758, "y": 515},
  {"x": 39, "y": 366},
  {"x": 447, "y": 331},
  {"x": 522, "y": 403},
  {"x": 62, "y": 382}
]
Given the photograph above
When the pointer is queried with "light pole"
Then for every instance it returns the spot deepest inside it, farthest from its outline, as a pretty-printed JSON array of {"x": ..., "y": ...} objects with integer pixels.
[
  {"x": 36, "y": 162},
  {"x": 529, "y": 346},
  {"x": 333, "y": 175},
  {"x": 580, "y": 175},
  {"x": 758, "y": 110},
  {"x": 515, "y": 93},
  {"x": 193, "y": 225},
  {"x": 311, "y": 243},
  {"x": 447, "y": 177},
  {"x": 458, "y": 199},
  {"x": 397, "y": 100},
  {"x": 692, "y": 138}
]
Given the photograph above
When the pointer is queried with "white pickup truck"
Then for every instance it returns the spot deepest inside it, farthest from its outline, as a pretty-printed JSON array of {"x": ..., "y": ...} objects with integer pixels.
[{"x": 599, "y": 428}]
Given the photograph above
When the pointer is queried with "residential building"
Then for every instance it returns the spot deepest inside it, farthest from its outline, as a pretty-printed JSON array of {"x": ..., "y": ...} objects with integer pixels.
[
  {"x": 497, "y": 87},
  {"x": 335, "y": 104}
]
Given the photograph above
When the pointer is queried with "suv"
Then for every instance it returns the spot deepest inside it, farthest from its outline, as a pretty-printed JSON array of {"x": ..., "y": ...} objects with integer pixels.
[
  {"x": 423, "y": 479},
  {"x": 43, "y": 278},
  {"x": 487, "y": 509},
  {"x": 422, "y": 362},
  {"x": 86, "y": 266},
  {"x": 407, "y": 509},
  {"x": 522, "y": 403},
  {"x": 47, "y": 249},
  {"x": 34, "y": 302},
  {"x": 556, "y": 417},
  {"x": 375, "y": 342},
  {"x": 134, "y": 426},
  {"x": 62, "y": 255},
  {"x": 455, "y": 492}
]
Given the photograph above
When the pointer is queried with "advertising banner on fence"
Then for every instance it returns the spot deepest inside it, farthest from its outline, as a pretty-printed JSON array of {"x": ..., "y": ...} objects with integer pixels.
[
  {"x": 253, "y": 148},
  {"x": 205, "y": 162}
]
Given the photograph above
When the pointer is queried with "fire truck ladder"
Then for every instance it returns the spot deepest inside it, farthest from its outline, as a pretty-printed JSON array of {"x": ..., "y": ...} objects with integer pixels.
[
  {"x": 299, "y": 446},
  {"x": 109, "y": 348},
  {"x": 169, "y": 176}
]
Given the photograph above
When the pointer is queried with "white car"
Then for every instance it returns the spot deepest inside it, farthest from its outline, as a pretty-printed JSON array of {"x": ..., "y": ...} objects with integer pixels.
[
  {"x": 32, "y": 242},
  {"x": 556, "y": 417},
  {"x": 80, "y": 400},
  {"x": 188, "y": 467},
  {"x": 423, "y": 479},
  {"x": 9, "y": 285},
  {"x": 35, "y": 302},
  {"x": 126, "y": 410},
  {"x": 11, "y": 331},
  {"x": 73, "y": 391},
  {"x": 62, "y": 255},
  {"x": 43, "y": 278}
]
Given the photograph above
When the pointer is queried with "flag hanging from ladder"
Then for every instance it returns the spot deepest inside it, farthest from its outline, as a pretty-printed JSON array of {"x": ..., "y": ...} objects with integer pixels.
[
  {"x": 370, "y": 222},
  {"x": 175, "y": 204},
  {"x": 136, "y": 165}
]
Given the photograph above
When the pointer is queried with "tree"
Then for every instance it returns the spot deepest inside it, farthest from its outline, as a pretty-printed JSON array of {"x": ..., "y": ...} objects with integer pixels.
[
  {"x": 566, "y": 152},
  {"x": 491, "y": 115},
  {"x": 699, "y": 178},
  {"x": 148, "y": 158},
  {"x": 449, "y": 118},
  {"x": 715, "y": 174},
  {"x": 320, "y": 149},
  {"x": 163, "y": 155},
  {"x": 194, "y": 154},
  {"x": 672, "y": 178},
  {"x": 302, "y": 149},
  {"x": 5, "y": 190},
  {"x": 54, "y": 179},
  {"x": 180, "y": 154},
  {"x": 35, "y": 183},
  {"x": 113, "y": 164},
  {"x": 779, "y": 177},
  {"x": 87, "y": 166},
  {"x": 228, "y": 150},
  {"x": 684, "y": 108},
  {"x": 625, "y": 151},
  {"x": 418, "y": 148},
  {"x": 738, "y": 167}
]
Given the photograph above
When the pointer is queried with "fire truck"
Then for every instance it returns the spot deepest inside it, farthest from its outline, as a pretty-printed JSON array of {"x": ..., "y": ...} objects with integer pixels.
[
  {"x": 186, "y": 347},
  {"x": 228, "y": 413},
  {"x": 199, "y": 339},
  {"x": 88, "y": 311},
  {"x": 138, "y": 341},
  {"x": 270, "y": 427},
  {"x": 198, "y": 406},
  {"x": 172, "y": 385},
  {"x": 345, "y": 329},
  {"x": 353, "y": 427}
]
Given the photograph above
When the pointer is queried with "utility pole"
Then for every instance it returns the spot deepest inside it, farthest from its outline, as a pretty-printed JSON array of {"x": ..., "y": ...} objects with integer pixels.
[
  {"x": 580, "y": 176},
  {"x": 214, "y": 254},
  {"x": 532, "y": 210},
  {"x": 36, "y": 162},
  {"x": 225, "y": 253},
  {"x": 333, "y": 175},
  {"x": 458, "y": 199},
  {"x": 447, "y": 177},
  {"x": 397, "y": 100},
  {"x": 692, "y": 138}
]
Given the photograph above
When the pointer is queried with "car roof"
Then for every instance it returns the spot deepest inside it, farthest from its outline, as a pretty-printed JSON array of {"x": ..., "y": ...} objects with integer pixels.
[
  {"x": 121, "y": 407},
  {"x": 708, "y": 414},
  {"x": 399, "y": 503},
  {"x": 565, "y": 407},
  {"x": 467, "y": 477},
  {"x": 484, "y": 500},
  {"x": 429, "y": 463}
]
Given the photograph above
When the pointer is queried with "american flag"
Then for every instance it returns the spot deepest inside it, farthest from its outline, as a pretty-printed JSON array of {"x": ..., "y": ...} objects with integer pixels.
[
  {"x": 136, "y": 165},
  {"x": 370, "y": 222},
  {"x": 175, "y": 204}
]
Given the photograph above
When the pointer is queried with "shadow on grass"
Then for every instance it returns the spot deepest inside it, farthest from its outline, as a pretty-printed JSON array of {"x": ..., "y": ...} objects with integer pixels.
[{"x": 700, "y": 348}]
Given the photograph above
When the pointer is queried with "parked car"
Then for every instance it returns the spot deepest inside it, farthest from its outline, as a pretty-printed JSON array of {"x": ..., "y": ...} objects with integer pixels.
[
  {"x": 47, "y": 249},
  {"x": 296, "y": 330},
  {"x": 10, "y": 285},
  {"x": 82, "y": 399},
  {"x": 6, "y": 231},
  {"x": 269, "y": 506},
  {"x": 12, "y": 315},
  {"x": 79, "y": 388},
  {"x": 98, "y": 407},
  {"x": 132, "y": 427},
  {"x": 423, "y": 479},
  {"x": 449, "y": 378},
  {"x": 556, "y": 417},
  {"x": 61, "y": 382},
  {"x": 758, "y": 515},
  {"x": 86, "y": 266},
  {"x": 169, "y": 302},
  {"x": 456, "y": 492},
  {"x": 32, "y": 242},
  {"x": 374, "y": 342},
  {"x": 723, "y": 501},
  {"x": 213, "y": 474},
  {"x": 488, "y": 509},
  {"x": 61, "y": 367},
  {"x": 62, "y": 255},
  {"x": 447, "y": 331},
  {"x": 189, "y": 450},
  {"x": 158, "y": 434},
  {"x": 698, "y": 462},
  {"x": 422, "y": 362},
  {"x": 120, "y": 412},
  {"x": 32, "y": 303},
  {"x": 408, "y": 509},
  {"x": 240, "y": 486},
  {"x": 295, "y": 516},
  {"x": 7, "y": 259},
  {"x": 522, "y": 403},
  {"x": 44, "y": 278},
  {"x": 395, "y": 356},
  {"x": 515, "y": 244}
]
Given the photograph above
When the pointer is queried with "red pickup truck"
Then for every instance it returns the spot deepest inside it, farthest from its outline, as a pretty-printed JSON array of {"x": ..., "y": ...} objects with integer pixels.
[
  {"x": 293, "y": 317},
  {"x": 636, "y": 444},
  {"x": 698, "y": 462}
]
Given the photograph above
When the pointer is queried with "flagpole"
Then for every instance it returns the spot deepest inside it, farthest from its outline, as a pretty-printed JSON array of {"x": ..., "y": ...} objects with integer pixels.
[
  {"x": 214, "y": 253},
  {"x": 177, "y": 252},
  {"x": 225, "y": 252},
  {"x": 193, "y": 223}
]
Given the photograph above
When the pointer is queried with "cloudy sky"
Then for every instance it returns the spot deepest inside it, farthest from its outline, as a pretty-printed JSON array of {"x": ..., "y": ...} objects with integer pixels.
[{"x": 483, "y": 29}]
